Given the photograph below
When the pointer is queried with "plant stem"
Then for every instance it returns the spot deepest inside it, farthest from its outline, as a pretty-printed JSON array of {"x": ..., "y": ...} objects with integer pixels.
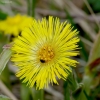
[
  {"x": 29, "y": 7},
  {"x": 66, "y": 91},
  {"x": 33, "y": 7},
  {"x": 77, "y": 89},
  {"x": 38, "y": 94}
]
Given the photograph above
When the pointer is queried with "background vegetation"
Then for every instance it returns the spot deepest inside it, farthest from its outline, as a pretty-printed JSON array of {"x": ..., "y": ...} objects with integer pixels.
[{"x": 85, "y": 16}]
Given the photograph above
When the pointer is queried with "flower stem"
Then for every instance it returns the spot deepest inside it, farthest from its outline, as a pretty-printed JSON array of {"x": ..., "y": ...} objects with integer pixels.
[
  {"x": 38, "y": 94},
  {"x": 28, "y": 7},
  {"x": 77, "y": 89},
  {"x": 33, "y": 7},
  {"x": 66, "y": 91}
]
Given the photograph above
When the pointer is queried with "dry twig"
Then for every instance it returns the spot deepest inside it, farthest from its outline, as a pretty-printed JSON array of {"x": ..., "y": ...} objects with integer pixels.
[{"x": 6, "y": 91}]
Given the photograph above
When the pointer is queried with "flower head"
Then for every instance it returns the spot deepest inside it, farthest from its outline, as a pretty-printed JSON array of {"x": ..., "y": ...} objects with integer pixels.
[
  {"x": 42, "y": 52},
  {"x": 15, "y": 24}
]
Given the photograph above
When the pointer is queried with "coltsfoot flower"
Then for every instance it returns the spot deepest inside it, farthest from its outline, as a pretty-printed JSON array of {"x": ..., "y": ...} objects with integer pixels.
[
  {"x": 42, "y": 52},
  {"x": 15, "y": 24}
]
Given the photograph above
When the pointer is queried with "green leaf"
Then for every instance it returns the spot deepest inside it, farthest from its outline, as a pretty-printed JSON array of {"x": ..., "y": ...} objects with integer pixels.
[
  {"x": 95, "y": 52},
  {"x": 5, "y": 76},
  {"x": 90, "y": 69},
  {"x": 94, "y": 57},
  {"x": 3, "y": 15},
  {"x": 4, "y": 58}
]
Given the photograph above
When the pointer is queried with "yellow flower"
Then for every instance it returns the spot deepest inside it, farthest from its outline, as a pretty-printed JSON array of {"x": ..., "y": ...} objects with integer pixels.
[
  {"x": 42, "y": 52},
  {"x": 15, "y": 24}
]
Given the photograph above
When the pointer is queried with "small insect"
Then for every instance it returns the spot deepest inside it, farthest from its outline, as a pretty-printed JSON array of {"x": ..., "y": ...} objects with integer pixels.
[{"x": 42, "y": 61}]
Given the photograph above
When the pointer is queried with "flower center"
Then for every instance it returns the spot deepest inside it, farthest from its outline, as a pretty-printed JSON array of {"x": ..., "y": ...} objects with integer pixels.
[{"x": 46, "y": 54}]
